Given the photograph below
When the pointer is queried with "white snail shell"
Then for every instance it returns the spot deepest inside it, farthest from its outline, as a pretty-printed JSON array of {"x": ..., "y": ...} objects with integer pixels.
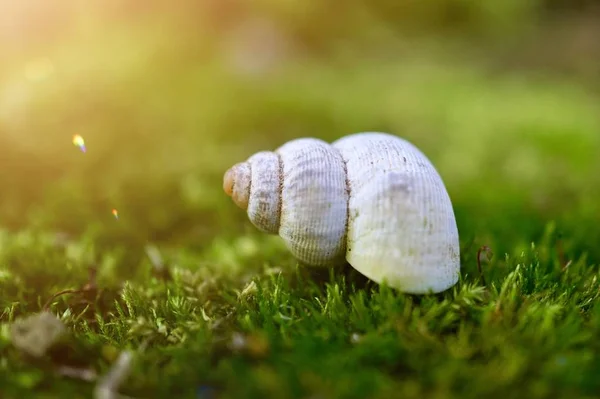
[{"x": 370, "y": 199}]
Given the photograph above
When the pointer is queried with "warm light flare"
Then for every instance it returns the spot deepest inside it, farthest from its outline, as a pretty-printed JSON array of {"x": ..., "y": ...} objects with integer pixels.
[{"x": 79, "y": 142}]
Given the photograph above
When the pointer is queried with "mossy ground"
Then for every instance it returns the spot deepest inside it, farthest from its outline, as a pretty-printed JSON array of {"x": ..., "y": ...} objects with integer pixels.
[{"x": 164, "y": 114}]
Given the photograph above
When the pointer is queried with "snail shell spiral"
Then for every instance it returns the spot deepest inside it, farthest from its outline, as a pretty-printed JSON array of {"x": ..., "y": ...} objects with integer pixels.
[{"x": 370, "y": 199}]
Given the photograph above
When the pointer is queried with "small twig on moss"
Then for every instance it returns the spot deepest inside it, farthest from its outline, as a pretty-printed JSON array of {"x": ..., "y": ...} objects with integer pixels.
[
  {"x": 77, "y": 373},
  {"x": 88, "y": 287},
  {"x": 484, "y": 249},
  {"x": 63, "y": 292},
  {"x": 108, "y": 386}
]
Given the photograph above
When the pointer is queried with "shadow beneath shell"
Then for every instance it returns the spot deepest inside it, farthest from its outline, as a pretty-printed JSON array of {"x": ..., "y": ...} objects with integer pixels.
[
  {"x": 345, "y": 276},
  {"x": 349, "y": 280}
]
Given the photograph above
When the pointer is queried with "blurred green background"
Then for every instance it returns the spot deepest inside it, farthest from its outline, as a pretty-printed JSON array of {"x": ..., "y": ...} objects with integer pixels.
[{"x": 502, "y": 95}]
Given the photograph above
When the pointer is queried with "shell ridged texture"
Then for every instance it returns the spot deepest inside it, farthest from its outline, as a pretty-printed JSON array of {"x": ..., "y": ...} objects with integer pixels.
[
  {"x": 401, "y": 226},
  {"x": 265, "y": 191},
  {"x": 314, "y": 201}
]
